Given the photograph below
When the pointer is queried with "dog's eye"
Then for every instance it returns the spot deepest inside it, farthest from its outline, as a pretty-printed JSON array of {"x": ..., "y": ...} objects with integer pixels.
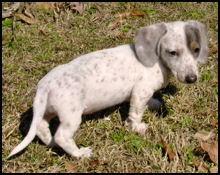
[
  {"x": 173, "y": 53},
  {"x": 196, "y": 50}
]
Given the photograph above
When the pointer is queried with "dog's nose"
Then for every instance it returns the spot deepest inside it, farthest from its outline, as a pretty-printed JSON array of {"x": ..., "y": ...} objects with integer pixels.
[{"x": 191, "y": 78}]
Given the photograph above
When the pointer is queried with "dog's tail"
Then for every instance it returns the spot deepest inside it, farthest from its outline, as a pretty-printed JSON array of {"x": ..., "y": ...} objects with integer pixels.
[{"x": 39, "y": 108}]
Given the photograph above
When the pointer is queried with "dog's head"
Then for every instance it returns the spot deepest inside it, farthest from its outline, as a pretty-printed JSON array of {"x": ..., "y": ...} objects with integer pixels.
[{"x": 179, "y": 45}]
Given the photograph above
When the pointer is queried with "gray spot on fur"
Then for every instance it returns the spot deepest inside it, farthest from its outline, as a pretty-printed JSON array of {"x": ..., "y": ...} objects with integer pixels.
[
  {"x": 140, "y": 78},
  {"x": 114, "y": 79},
  {"x": 95, "y": 66},
  {"x": 59, "y": 83},
  {"x": 83, "y": 93},
  {"x": 67, "y": 125},
  {"x": 75, "y": 78},
  {"x": 73, "y": 109}
]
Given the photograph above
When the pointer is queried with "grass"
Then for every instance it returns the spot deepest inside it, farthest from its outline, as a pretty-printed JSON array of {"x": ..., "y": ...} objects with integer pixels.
[{"x": 42, "y": 46}]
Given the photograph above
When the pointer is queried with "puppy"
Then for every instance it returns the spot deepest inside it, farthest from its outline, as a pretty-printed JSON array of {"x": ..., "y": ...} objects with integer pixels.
[{"x": 131, "y": 72}]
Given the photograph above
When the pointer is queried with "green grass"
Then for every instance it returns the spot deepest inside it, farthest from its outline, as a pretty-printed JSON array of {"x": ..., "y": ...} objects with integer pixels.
[{"x": 42, "y": 46}]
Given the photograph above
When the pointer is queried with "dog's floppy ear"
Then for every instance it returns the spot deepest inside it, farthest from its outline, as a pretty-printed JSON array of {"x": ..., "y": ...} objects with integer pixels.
[
  {"x": 146, "y": 43},
  {"x": 196, "y": 35}
]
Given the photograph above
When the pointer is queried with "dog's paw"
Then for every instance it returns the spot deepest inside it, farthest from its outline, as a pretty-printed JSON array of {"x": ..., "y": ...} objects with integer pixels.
[
  {"x": 85, "y": 152},
  {"x": 139, "y": 128}
]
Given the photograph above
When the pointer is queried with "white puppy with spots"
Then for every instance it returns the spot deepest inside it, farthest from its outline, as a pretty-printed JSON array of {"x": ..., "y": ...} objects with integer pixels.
[{"x": 104, "y": 78}]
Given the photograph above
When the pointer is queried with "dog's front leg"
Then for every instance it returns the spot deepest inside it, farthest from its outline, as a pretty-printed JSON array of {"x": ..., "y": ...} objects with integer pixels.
[{"x": 138, "y": 104}]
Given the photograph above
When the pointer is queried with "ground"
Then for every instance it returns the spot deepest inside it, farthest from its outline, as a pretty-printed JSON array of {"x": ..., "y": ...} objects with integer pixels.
[{"x": 57, "y": 38}]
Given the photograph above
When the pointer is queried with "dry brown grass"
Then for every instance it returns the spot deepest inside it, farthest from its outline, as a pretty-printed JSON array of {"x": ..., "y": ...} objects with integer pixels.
[{"x": 42, "y": 46}]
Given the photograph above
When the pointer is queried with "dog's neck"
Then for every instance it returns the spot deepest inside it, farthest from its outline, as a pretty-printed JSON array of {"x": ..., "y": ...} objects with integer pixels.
[{"x": 166, "y": 72}]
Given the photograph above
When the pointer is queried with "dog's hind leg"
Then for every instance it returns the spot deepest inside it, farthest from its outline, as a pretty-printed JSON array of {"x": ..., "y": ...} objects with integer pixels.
[
  {"x": 43, "y": 131},
  {"x": 70, "y": 120}
]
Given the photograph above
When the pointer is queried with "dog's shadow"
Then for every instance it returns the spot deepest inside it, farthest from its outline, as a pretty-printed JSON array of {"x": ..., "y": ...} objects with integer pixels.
[{"x": 26, "y": 117}]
